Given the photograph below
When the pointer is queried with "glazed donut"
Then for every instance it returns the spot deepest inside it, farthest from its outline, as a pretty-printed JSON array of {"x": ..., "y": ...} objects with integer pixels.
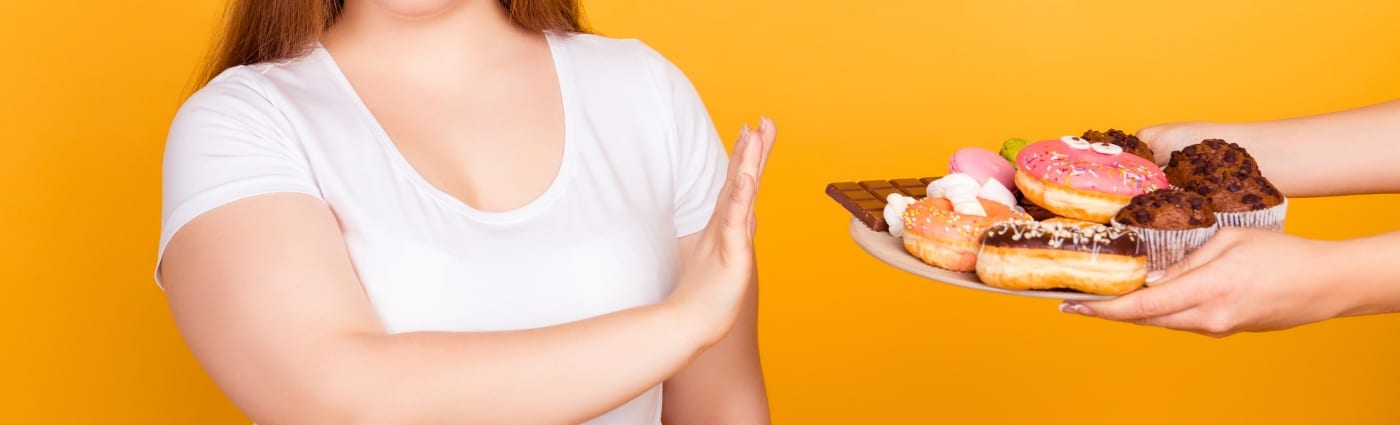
[
  {"x": 944, "y": 238},
  {"x": 1095, "y": 259},
  {"x": 1081, "y": 180}
]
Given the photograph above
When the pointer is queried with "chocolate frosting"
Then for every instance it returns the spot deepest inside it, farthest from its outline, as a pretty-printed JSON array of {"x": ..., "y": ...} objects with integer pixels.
[{"x": 1096, "y": 238}]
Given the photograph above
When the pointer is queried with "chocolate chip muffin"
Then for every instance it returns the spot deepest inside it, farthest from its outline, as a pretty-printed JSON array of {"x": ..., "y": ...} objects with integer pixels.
[
  {"x": 1210, "y": 162},
  {"x": 1129, "y": 142},
  {"x": 1171, "y": 222},
  {"x": 1172, "y": 209},
  {"x": 1230, "y": 179},
  {"x": 1239, "y": 195}
]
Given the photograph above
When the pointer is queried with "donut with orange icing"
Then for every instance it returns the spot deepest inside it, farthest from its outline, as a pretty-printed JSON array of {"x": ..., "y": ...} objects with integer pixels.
[
  {"x": 1087, "y": 181},
  {"x": 945, "y": 238}
]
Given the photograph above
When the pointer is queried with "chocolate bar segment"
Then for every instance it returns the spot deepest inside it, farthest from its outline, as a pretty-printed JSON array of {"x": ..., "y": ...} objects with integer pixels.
[
  {"x": 866, "y": 200},
  {"x": 912, "y": 187}
]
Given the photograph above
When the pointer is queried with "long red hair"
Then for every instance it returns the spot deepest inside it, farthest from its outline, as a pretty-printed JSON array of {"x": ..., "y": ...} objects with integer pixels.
[{"x": 257, "y": 31}]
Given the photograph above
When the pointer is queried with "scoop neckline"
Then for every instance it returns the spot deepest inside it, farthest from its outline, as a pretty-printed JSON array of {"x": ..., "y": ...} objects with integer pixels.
[{"x": 556, "y": 187}]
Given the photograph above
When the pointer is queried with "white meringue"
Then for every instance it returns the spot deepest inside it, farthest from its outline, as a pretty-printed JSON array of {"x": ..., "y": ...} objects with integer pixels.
[
  {"x": 994, "y": 191},
  {"x": 895, "y": 206},
  {"x": 939, "y": 188},
  {"x": 960, "y": 190},
  {"x": 968, "y": 206}
]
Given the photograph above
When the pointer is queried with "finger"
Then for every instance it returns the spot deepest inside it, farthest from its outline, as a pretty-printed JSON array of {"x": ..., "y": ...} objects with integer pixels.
[
  {"x": 1141, "y": 304},
  {"x": 1188, "y": 319},
  {"x": 731, "y": 180},
  {"x": 752, "y": 154},
  {"x": 1202, "y": 255},
  {"x": 734, "y": 157},
  {"x": 735, "y": 236},
  {"x": 768, "y": 134},
  {"x": 1151, "y": 136},
  {"x": 1196, "y": 320},
  {"x": 738, "y": 211}
]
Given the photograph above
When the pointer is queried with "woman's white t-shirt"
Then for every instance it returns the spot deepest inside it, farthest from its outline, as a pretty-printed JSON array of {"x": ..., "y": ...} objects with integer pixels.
[{"x": 642, "y": 166}]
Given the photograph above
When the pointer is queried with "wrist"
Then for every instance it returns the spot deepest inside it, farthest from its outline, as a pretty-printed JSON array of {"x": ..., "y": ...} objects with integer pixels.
[
  {"x": 685, "y": 322},
  {"x": 1359, "y": 267}
]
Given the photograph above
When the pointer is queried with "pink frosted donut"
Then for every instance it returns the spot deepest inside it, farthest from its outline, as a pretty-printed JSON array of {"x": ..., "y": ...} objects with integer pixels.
[{"x": 1087, "y": 181}]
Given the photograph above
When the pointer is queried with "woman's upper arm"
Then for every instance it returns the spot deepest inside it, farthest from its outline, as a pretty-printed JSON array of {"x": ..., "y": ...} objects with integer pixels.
[
  {"x": 264, "y": 294},
  {"x": 254, "y": 265}
]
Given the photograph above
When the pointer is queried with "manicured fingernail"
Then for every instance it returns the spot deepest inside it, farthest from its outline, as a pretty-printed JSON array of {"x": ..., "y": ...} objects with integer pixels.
[
  {"x": 1075, "y": 308},
  {"x": 765, "y": 123},
  {"x": 744, "y": 132},
  {"x": 1156, "y": 275},
  {"x": 1083, "y": 310}
]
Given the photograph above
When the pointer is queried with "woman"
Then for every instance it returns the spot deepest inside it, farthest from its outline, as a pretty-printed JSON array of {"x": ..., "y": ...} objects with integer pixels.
[
  {"x": 459, "y": 211},
  {"x": 1256, "y": 280}
]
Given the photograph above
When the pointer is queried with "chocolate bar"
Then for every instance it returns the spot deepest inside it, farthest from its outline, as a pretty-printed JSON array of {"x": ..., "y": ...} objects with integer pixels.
[{"x": 866, "y": 199}]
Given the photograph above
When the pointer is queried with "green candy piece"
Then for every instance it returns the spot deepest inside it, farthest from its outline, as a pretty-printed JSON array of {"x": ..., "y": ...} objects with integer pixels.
[{"x": 1011, "y": 147}]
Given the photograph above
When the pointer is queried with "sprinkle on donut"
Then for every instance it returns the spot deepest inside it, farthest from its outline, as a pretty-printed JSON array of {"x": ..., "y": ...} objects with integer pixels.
[{"x": 1079, "y": 164}]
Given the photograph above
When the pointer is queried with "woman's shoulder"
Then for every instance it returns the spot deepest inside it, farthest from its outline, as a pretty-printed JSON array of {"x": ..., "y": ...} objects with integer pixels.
[
  {"x": 594, "y": 49},
  {"x": 259, "y": 82},
  {"x": 256, "y": 94}
]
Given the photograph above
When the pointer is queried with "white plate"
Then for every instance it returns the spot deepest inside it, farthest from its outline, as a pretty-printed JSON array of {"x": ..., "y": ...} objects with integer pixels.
[{"x": 890, "y": 250}]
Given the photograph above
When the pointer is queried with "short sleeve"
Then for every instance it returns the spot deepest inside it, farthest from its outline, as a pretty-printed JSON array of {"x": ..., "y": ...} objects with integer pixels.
[
  {"x": 699, "y": 162},
  {"x": 227, "y": 142}
]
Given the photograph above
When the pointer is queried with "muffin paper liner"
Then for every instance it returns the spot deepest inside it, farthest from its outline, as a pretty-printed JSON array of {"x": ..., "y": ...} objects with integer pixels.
[
  {"x": 1167, "y": 247},
  {"x": 1268, "y": 218}
]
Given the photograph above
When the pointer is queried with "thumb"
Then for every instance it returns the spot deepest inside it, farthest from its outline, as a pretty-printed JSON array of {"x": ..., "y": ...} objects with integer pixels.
[
  {"x": 1213, "y": 247},
  {"x": 1155, "y": 138},
  {"x": 736, "y": 214}
]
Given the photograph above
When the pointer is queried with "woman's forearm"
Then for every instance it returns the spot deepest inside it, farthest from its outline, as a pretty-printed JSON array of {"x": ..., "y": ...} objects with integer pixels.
[
  {"x": 560, "y": 374},
  {"x": 1341, "y": 153},
  {"x": 1367, "y": 269},
  {"x": 272, "y": 310}
]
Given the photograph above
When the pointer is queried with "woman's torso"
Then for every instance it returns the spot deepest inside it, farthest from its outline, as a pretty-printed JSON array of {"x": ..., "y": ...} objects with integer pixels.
[{"x": 600, "y": 238}]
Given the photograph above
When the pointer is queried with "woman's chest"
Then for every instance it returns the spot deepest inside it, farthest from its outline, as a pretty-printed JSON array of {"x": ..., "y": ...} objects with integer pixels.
[{"x": 569, "y": 263}]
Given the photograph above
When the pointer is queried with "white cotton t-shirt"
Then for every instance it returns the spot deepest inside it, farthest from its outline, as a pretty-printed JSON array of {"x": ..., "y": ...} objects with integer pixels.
[{"x": 642, "y": 166}]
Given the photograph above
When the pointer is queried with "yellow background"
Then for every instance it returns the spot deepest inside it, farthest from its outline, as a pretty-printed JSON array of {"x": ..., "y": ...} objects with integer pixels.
[{"x": 860, "y": 89}]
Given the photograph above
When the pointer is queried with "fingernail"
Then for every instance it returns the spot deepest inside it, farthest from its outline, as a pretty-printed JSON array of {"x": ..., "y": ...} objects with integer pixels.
[
  {"x": 1083, "y": 310},
  {"x": 1075, "y": 308},
  {"x": 1156, "y": 275},
  {"x": 744, "y": 132},
  {"x": 765, "y": 123}
]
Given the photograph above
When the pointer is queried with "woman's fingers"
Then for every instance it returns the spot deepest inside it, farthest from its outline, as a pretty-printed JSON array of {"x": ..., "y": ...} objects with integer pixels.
[
  {"x": 1142, "y": 304},
  {"x": 1223, "y": 240},
  {"x": 735, "y": 235},
  {"x": 1196, "y": 319},
  {"x": 753, "y": 150},
  {"x": 768, "y": 135},
  {"x": 735, "y": 157},
  {"x": 735, "y": 209},
  {"x": 1179, "y": 268}
]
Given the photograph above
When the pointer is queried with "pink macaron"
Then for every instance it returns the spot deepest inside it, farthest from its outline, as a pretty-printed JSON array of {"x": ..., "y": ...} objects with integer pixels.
[{"x": 983, "y": 164}]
